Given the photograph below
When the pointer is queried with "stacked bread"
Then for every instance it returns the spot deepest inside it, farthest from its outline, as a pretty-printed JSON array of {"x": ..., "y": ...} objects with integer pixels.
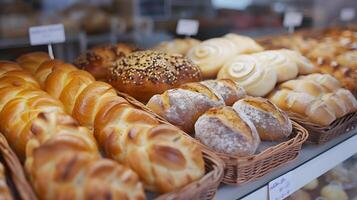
[
  {"x": 258, "y": 73},
  {"x": 319, "y": 98},
  {"x": 177, "y": 46},
  {"x": 163, "y": 158},
  {"x": 210, "y": 55},
  {"x": 61, "y": 157},
  {"x": 204, "y": 109},
  {"x": 5, "y": 192}
]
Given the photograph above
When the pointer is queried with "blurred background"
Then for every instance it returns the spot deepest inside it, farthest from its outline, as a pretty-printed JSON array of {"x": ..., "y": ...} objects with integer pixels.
[{"x": 147, "y": 22}]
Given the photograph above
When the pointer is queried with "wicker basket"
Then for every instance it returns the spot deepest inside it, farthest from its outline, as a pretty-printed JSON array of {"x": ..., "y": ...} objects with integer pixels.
[
  {"x": 244, "y": 169},
  {"x": 202, "y": 189},
  {"x": 322, "y": 134}
]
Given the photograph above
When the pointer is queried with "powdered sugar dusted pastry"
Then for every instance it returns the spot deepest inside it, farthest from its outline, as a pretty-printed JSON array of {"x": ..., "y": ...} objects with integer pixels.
[
  {"x": 272, "y": 123},
  {"x": 227, "y": 89},
  {"x": 226, "y": 131}
]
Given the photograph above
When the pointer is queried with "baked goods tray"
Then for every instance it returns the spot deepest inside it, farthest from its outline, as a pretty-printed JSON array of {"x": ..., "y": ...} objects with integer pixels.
[
  {"x": 202, "y": 189},
  {"x": 15, "y": 175},
  {"x": 238, "y": 170},
  {"x": 321, "y": 134}
]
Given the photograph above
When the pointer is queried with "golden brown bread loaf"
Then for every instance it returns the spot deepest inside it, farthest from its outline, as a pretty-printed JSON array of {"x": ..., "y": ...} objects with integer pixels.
[
  {"x": 164, "y": 159},
  {"x": 5, "y": 192},
  {"x": 318, "y": 98},
  {"x": 143, "y": 74},
  {"x": 271, "y": 123},
  {"x": 98, "y": 60},
  {"x": 184, "y": 105},
  {"x": 61, "y": 157},
  {"x": 226, "y": 131},
  {"x": 177, "y": 46}
]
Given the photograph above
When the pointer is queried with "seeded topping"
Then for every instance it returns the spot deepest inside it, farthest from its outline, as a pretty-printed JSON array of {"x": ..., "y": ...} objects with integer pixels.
[{"x": 151, "y": 66}]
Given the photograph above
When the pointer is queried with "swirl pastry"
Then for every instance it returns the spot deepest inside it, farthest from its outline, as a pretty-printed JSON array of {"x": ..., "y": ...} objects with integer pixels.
[
  {"x": 285, "y": 68},
  {"x": 253, "y": 75},
  {"x": 177, "y": 46},
  {"x": 245, "y": 45},
  {"x": 305, "y": 66},
  {"x": 211, "y": 54}
]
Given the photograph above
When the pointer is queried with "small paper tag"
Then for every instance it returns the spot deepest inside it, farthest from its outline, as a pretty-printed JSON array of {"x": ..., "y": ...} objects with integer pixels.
[
  {"x": 49, "y": 34},
  {"x": 347, "y": 14},
  {"x": 187, "y": 27},
  {"x": 281, "y": 187},
  {"x": 292, "y": 19}
]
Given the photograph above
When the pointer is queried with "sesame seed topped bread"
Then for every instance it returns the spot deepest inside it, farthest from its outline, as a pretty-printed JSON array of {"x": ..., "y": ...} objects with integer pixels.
[{"x": 143, "y": 74}]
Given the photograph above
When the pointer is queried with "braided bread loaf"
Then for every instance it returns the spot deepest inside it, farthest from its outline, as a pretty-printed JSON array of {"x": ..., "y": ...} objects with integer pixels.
[
  {"x": 163, "y": 158},
  {"x": 61, "y": 158},
  {"x": 5, "y": 193}
]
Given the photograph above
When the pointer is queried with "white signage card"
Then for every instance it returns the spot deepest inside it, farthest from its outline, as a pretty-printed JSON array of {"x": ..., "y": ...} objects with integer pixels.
[
  {"x": 281, "y": 187},
  {"x": 347, "y": 14},
  {"x": 187, "y": 27},
  {"x": 292, "y": 19},
  {"x": 48, "y": 34}
]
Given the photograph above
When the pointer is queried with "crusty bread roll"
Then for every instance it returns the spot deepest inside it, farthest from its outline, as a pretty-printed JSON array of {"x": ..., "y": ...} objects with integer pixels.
[
  {"x": 348, "y": 98},
  {"x": 244, "y": 44},
  {"x": 226, "y": 131},
  {"x": 211, "y": 54},
  {"x": 299, "y": 195},
  {"x": 61, "y": 158},
  {"x": 285, "y": 67},
  {"x": 98, "y": 60},
  {"x": 29, "y": 61},
  {"x": 143, "y": 74},
  {"x": 333, "y": 192},
  {"x": 328, "y": 82},
  {"x": 5, "y": 192},
  {"x": 177, "y": 46},
  {"x": 305, "y": 66},
  {"x": 229, "y": 90},
  {"x": 305, "y": 86},
  {"x": 253, "y": 75},
  {"x": 318, "y": 112},
  {"x": 155, "y": 151},
  {"x": 272, "y": 123},
  {"x": 312, "y": 185},
  {"x": 348, "y": 59}
]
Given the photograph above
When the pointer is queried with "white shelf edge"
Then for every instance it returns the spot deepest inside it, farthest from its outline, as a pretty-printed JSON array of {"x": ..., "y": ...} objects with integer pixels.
[{"x": 315, "y": 167}]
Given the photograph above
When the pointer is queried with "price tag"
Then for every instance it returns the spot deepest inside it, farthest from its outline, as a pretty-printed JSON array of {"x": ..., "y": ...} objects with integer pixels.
[
  {"x": 292, "y": 19},
  {"x": 347, "y": 14},
  {"x": 48, "y": 34},
  {"x": 187, "y": 27},
  {"x": 281, "y": 187}
]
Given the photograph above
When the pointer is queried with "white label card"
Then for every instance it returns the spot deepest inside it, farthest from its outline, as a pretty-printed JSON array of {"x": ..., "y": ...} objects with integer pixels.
[
  {"x": 281, "y": 187},
  {"x": 187, "y": 27},
  {"x": 292, "y": 19},
  {"x": 347, "y": 14},
  {"x": 48, "y": 34}
]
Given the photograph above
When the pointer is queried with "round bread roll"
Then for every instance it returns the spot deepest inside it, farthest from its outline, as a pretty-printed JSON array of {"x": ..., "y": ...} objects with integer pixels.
[
  {"x": 180, "y": 46},
  {"x": 143, "y": 74},
  {"x": 229, "y": 90},
  {"x": 211, "y": 54},
  {"x": 328, "y": 82},
  {"x": 244, "y": 44},
  {"x": 285, "y": 68},
  {"x": 348, "y": 59},
  {"x": 226, "y": 131},
  {"x": 305, "y": 66},
  {"x": 333, "y": 192},
  {"x": 249, "y": 72},
  {"x": 318, "y": 112},
  {"x": 347, "y": 97},
  {"x": 335, "y": 104},
  {"x": 272, "y": 123},
  {"x": 100, "y": 59},
  {"x": 312, "y": 185}
]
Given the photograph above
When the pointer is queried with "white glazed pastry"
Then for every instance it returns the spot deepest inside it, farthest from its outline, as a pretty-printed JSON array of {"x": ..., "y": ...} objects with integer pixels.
[
  {"x": 305, "y": 66},
  {"x": 253, "y": 75},
  {"x": 244, "y": 44}
]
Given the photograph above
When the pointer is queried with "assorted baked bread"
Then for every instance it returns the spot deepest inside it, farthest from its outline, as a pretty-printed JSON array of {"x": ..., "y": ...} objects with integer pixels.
[
  {"x": 210, "y": 55},
  {"x": 318, "y": 98},
  {"x": 177, "y": 46},
  {"x": 183, "y": 106},
  {"x": 100, "y": 59},
  {"x": 143, "y": 74},
  {"x": 259, "y": 72},
  {"x": 61, "y": 158},
  {"x": 155, "y": 151}
]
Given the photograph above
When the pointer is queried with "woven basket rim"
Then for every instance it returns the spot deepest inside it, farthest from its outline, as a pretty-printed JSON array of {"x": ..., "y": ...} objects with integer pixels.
[{"x": 210, "y": 180}]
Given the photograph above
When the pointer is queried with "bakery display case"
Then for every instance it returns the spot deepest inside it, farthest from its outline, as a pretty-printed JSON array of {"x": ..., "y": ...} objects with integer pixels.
[{"x": 178, "y": 99}]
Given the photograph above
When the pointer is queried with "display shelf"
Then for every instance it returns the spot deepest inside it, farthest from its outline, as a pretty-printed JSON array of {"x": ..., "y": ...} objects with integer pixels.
[{"x": 312, "y": 162}]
